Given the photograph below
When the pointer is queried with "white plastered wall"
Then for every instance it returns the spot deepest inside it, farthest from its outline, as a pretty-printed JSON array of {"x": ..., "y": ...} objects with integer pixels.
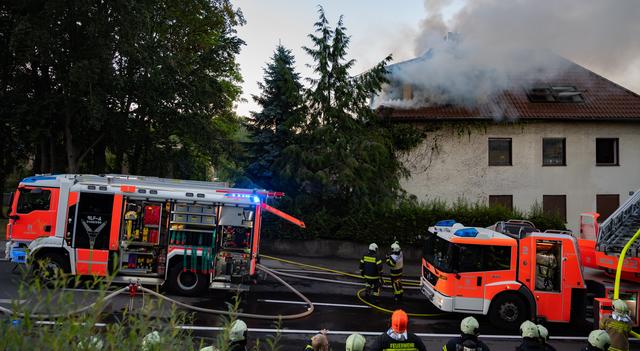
[{"x": 452, "y": 163}]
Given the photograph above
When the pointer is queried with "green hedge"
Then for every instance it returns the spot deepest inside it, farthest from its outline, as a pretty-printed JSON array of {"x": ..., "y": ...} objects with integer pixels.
[{"x": 405, "y": 222}]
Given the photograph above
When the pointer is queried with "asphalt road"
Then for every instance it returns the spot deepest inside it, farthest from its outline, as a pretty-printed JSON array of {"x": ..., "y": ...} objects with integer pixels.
[{"x": 336, "y": 309}]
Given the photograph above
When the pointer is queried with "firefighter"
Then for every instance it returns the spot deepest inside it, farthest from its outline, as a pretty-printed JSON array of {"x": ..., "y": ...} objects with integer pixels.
[
  {"x": 547, "y": 268},
  {"x": 598, "y": 341},
  {"x": 355, "y": 342},
  {"x": 530, "y": 337},
  {"x": 618, "y": 326},
  {"x": 544, "y": 338},
  {"x": 371, "y": 271},
  {"x": 395, "y": 263},
  {"x": 397, "y": 337},
  {"x": 151, "y": 341},
  {"x": 470, "y": 329}
]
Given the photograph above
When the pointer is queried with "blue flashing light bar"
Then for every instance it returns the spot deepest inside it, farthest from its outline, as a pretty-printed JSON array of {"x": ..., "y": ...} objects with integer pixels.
[
  {"x": 466, "y": 232},
  {"x": 37, "y": 178},
  {"x": 253, "y": 198},
  {"x": 446, "y": 223}
]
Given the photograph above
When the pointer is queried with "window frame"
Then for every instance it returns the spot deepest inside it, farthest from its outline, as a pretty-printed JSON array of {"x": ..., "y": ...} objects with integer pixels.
[
  {"x": 510, "y": 163},
  {"x": 497, "y": 197},
  {"x": 563, "y": 216},
  {"x": 601, "y": 198},
  {"x": 616, "y": 153},
  {"x": 24, "y": 194},
  {"x": 564, "y": 153}
]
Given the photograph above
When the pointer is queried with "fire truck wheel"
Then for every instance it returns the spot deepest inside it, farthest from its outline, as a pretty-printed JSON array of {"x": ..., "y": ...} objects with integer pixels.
[
  {"x": 186, "y": 283},
  {"x": 47, "y": 264},
  {"x": 508, "y": 311}
]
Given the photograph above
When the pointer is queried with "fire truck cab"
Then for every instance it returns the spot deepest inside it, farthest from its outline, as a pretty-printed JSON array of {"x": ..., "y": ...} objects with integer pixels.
[
  {"x": 510, "y": 277},
  {"x": 186, "y": 235}
]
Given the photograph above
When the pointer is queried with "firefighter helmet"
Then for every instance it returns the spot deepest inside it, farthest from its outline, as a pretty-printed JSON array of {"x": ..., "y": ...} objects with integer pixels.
[
  {"x": 355, "y": 342},
  {"x": 373, "y": 247},
  {"x": 150, "y": 341},
  {"x": 395, "y": 247},
  {"x": 238, "y": 331},
  {"x": 528, "y": 329},
  {"x": 399, "y": 321},
  {"x": 470, "y": 326},
  {"x": 543, "y": 332},
  {"x": 620, "y": 307},
  {"x": 599, "y": 339}
]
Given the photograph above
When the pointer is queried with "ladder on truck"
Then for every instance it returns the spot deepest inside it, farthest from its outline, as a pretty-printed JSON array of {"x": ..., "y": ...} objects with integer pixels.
[{"x": 618, "y": 229}]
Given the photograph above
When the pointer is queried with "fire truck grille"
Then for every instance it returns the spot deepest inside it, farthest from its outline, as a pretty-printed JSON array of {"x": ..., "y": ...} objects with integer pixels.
[{"x": 430, "y": 277}]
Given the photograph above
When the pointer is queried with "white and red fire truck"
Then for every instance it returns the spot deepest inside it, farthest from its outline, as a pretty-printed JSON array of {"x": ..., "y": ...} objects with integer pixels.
[
  {"x": 185, "y": 235},
  {"x": 513, "y": 273}
]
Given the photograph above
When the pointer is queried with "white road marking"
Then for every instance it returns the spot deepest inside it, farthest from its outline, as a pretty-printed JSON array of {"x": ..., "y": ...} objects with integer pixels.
[
  {"x": 314, "y": 303},
  {"x": 11, "y": 301}
]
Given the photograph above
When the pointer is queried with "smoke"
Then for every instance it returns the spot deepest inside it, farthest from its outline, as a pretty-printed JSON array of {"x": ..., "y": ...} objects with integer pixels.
[{"x": 498, "y": 40}]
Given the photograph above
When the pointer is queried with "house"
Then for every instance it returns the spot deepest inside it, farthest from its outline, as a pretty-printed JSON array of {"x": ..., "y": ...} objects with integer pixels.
[{"x": 566, "y": 139}]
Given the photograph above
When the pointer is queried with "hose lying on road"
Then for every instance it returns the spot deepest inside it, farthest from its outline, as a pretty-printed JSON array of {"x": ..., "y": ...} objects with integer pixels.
[
  {"x": 406, "y": 282},
  {"x": 182, "y": 304},
  {"x": 390, "y": 311},
  {"x": 245, "y": 315},
  {"x": 66, "y": 314},
  {"x": 299, "y": 276}
]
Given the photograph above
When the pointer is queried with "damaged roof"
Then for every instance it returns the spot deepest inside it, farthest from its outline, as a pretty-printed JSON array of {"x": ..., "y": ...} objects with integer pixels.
[{"x": 601, "y": 99}]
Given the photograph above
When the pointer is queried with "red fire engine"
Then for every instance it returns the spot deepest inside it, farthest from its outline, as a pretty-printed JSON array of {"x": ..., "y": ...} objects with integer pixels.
[
  {"x": 187, "y": 235},
  {"x": 511, "y": 273}
]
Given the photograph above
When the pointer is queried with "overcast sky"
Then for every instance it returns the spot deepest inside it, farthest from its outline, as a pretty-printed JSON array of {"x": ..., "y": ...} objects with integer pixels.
[{"x": 377, "y": 28}]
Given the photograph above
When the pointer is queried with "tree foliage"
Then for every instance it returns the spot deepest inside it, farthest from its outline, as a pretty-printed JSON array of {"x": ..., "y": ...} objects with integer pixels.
[{"x": 139, "y": 86}]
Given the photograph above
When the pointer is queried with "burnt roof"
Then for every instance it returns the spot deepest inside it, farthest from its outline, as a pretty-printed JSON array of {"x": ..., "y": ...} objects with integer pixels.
[{"x": 603, "y": 100}]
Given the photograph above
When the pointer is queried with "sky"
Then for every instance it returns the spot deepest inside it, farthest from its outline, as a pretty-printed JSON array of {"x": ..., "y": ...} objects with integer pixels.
[{"x": 377, "y": 28}]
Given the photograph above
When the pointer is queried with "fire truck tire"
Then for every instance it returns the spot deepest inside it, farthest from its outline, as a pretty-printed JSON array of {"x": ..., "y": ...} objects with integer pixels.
[
  {"x": 508, "y": 311},
  {"x": 186, "y": 283},
  {"x": 47, "y": 263}
]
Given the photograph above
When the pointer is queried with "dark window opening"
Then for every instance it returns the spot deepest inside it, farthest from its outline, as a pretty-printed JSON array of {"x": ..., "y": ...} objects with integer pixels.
[
  {"x": 606, "y": 205},
  {"x": 505, "y": 201},
  {"x": 553, "y": 152},
  {"x": 94, "y": 221},
  {"x": 555, "y": 205},
  {"x": 560, "y": 93},
  {"x": 448, "y": 257},
  {"x": 607, "y": 152},
  {"x": 499, "y": 151},
  {"x": 33, "y": 200}
]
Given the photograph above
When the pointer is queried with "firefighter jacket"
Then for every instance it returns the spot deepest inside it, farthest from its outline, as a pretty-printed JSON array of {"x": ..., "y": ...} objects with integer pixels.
[
  {"x": 455, "y": 344},
  {"x": 530, "y": 344},
  {"x": 395, "y": 263},
  {"x": 371, "y": 266},
  {"x": 238, "y": 346},
  {"x": 590, "y": 348},
  {"x": 548, "y": 347},
  {"x": 547, "y": 268},
  {"x": 618, "y": 329},
  {"x": 408, "y": 342}
]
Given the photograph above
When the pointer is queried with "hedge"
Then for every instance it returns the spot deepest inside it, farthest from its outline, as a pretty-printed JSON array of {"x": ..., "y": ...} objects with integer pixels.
[{"x": 404, "y": 222}]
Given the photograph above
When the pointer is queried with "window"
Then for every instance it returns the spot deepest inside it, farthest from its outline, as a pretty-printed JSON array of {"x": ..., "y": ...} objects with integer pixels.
[
  {"x": 606, "y": 205},
  {"x": 555, "y": 205},
  {"x": 499, "y": 151},
  {"x": 553, "y": 152},
  {"x": 470, "y": 258},
  {"x": 559, "y": 93},
  {"x": 481, "y": 258},
  {"x": 33, "y": 200},
  {"x": 505, "y": 201},
  {"x": 548, "y": 265},
  {"x": 497, "y": 258},
  {"x": 607, "y": 152}
]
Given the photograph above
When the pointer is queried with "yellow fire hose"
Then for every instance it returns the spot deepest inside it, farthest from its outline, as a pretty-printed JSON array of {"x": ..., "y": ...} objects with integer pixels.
[
  {"x": 616, "y": 287},
  {"x": 359, "y": 293}
]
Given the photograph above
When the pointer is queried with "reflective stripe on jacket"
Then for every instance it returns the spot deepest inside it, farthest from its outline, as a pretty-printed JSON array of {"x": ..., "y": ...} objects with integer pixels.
[
  {"x": 618, "y": 333},
  {"x": 395, "y": 261},
  {"x": 370, "y": 266}
]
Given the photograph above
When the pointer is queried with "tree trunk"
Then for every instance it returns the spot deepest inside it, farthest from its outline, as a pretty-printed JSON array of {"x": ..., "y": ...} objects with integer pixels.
[
  {"x": 72, "y": 166},
  {"x": 99, "y": 158}
]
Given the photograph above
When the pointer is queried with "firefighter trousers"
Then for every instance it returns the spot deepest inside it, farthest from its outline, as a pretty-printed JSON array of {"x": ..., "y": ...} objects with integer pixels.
[
  {"x": 396, "y": 282},
  {"x": 373, "y": 286}
]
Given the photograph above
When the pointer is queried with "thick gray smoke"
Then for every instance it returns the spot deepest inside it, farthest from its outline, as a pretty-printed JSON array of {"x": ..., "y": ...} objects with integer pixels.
[{"x": 501, "y": 39}]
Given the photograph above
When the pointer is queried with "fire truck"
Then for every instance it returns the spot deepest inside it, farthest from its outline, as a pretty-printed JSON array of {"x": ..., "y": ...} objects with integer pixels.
[
  {"x": 185, "y": 235},
  {"x": 512, "y": 273}
]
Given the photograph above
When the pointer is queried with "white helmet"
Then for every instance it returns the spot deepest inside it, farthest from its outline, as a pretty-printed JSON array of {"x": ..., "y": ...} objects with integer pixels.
[
  {"x": 150, "y": 340},
  {"x": 395, "y": 247},
  {"x": 469, "y": 326},
  {"x": 543, "y": 332},
  {"x": 373, "y": 247},
  {"x": 599, "y": 339},
  {"x": 355, "y": 342},
  {"x": 529, "y": 330},
  {"x": 238, "y": 331},
  {"x": 620, "y": 307}
]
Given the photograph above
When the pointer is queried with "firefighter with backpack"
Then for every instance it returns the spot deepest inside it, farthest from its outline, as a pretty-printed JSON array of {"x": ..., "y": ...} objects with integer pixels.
[
  {"x": 395, "y": 263},
  {"x": 371, "y": 271}
]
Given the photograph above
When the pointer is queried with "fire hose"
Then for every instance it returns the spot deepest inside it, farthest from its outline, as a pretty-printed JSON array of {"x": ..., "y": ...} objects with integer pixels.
[{"x": 616, "y": 287}]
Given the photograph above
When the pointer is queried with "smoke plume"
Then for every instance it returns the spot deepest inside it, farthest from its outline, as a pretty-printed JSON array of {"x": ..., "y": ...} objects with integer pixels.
[{"x": 497, "y": 40}]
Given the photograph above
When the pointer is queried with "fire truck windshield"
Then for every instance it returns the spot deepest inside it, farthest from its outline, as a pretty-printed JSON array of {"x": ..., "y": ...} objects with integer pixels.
[{"x": 439, "y": 252}]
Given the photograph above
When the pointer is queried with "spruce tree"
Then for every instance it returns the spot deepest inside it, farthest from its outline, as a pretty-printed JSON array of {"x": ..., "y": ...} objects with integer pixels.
[{"x": 273, "y": 128}]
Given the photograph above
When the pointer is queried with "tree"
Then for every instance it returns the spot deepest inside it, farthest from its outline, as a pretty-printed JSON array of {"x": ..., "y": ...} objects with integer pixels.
[
  {"x": 274, "y": 128},
  {"x": 138, "y": 86}
]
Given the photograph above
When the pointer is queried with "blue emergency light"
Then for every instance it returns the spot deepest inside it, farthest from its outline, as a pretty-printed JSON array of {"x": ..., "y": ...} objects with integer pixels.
[
  {"x": 466, "y": 232},
  {"x": 253, "y": 198},
  {"x": 446, "y": 223}
]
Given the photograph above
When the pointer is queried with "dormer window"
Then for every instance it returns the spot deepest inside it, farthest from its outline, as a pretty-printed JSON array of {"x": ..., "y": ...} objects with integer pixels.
[{"x": 556, "y": 93}]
